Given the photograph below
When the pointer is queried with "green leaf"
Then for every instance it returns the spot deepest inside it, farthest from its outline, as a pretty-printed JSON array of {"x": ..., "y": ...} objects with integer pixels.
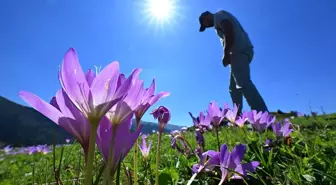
[
  {"x": 165, "y": 178},
  {"x": 309, "y": 178}
]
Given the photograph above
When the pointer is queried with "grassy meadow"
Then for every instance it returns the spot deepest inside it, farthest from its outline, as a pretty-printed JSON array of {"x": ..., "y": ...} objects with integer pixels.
[{"x": 308, "y": 158}]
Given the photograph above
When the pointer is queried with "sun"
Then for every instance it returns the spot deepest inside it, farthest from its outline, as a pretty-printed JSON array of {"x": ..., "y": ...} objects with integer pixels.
[
  {"x": 160, "y": 9},
  {"x": 160, "y": 12}
]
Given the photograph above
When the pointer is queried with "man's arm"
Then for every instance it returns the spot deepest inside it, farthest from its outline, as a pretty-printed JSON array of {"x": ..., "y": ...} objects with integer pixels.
[{"x": 227, "y": 28}]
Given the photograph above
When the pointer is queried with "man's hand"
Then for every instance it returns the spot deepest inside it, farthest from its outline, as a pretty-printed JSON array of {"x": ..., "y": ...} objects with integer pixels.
[{"x": 226, "y": 60}]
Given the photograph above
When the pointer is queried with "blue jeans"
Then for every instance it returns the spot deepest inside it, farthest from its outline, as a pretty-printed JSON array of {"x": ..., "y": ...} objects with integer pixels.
[{"x": 241, "y": 83}]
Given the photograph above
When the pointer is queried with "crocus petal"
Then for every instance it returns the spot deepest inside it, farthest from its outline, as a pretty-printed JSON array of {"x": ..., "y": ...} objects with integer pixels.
[
  {"x": 89, "y": 76},
  {"x": 128, "y": 83},
  {"x": 205, "y": 120},
  {"x": 224, "y": 161},
  {"x": 240, "y": 122},
  {"x": 212, "y": 161},
  {"x": 243, "y": 169},
  {"x": 270, "y": 119},
  {"x": 104, "y": 87},
  {"x": 276, "y": 129},
  {"x": 73, "y": 80},
  {"x": 119, "y": 112},
  {"x": 144, "y": 106},
  {"x": 195, "y": 121},
  {"x": 250, "y": 117},
  {"x": 224, "y": 155},
  {"x": 286, "y": 129},
  {"x": 237, "y": 154},
  {"x": 53, "y": 102},
  {"x": 121, "y": 79},
  {"x": 157, "y": 97},
  {"x": 150, "y": 91},
  {"x": 135, "y": 94},
  {"x": 149, "y": 146},
  {"x": 196, "y": 168},
  {"x": 73, "y": 121},
  {"x": 232, "y": 114},
  {"x": 257, "y": 115},
  {"x": 124, "y": 139},
  {"x": 105, "y": 83},
  {"x": 41, "y": 106},
  {"x": 264, "y": 117},
  {"x": 215, "y": 113},
  {"x": 143, "y": 148}
]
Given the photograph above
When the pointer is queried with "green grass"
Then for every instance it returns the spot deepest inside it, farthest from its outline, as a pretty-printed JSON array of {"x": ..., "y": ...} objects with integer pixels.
[{"x": 310, "y": 160}]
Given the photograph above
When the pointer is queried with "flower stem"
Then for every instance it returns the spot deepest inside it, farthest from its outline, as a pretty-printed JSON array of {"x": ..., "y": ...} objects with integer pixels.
[
  {"x": 221, "y": 182},
  {"x": 192, "y": 178},
  {"x": 218, "y": 143},
  {"x": 195, "y": 174},
  {"x": 135, "y": 157},
  {"x": 90, "y": 157},
  {"x": 193, "y": 151},
  {"x": 157, "y": 159},
  {"x": 111, "y": 156}
]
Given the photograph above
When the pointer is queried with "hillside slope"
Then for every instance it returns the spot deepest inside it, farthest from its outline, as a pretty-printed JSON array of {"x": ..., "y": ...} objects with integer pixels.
[{"x": 23, "y": 126}]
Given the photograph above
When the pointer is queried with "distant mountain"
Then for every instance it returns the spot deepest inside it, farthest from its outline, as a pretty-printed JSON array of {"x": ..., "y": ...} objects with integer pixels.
[{"x": 24, "y": 126}]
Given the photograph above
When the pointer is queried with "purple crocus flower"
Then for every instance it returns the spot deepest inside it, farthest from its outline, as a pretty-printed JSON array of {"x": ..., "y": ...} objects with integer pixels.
[
  {"x": 123, "y": 142},
  {"x": 232, "y": 161},
  {"x": 67, "y": 140},
  {"x": 231, "y": 114},
  {"x": 208, "y": 160},
  {"x": 176, "y": 137},
  {"x": 147, "y": 99},
  {"x": 32, "y": 150},
  {"x": 195, "y": 120},
  {"x": 144, "y": 148},
  {"x": 45, "y": 150},
  {"x": 199, "y": 137},
  {"x": 240, "y": 121},
  {"x": 216, "y": 115},
  {"x": 140, "y": 99},
  {"x": 259, "y": 120},
  {"x": 94, "y": 100},
  {"x": 268, "y": 144},
  {"x": 64, "y": 113},
  {"x": 123, "y": 108},
  {"x": 8, "y": 149},
  {"x": 202, "y": 121},
  {"x": 282, "y": 130},
  {"x": 162, "y": 114},
  {"x": 39, "y": 148}
]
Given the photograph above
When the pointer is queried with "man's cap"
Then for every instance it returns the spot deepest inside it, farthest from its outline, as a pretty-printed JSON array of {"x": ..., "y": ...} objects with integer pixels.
[{"x": 201, "y": 18}]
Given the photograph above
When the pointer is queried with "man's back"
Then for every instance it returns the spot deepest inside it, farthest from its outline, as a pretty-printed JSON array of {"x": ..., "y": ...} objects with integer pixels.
[{"x": 242, "y": 40}]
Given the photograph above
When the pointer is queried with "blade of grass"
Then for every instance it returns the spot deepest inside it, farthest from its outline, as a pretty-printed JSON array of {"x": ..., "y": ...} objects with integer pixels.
[
  {"x": 118, "y": 172},
  {"x": 101, "y": 171}
]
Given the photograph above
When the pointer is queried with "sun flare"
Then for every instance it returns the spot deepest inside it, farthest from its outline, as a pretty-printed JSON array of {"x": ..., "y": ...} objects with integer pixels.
[
  {"x": 160, "y": 12},
  {"x": 160, "y": 9}
]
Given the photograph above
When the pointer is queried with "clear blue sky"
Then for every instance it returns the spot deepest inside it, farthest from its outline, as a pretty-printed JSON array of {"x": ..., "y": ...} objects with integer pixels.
[{"x": 294, "y": 64}]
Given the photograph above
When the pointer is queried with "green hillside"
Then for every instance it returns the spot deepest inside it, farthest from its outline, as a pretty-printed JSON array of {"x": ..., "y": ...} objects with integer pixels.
[{"x": 23, "y": 126}]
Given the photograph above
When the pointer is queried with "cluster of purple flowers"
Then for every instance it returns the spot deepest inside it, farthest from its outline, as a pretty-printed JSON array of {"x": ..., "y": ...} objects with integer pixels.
[
  {"x": 43, "y": 149},
  {"x": 99, "y": 108},
  {"x": 229, "y": 162}
]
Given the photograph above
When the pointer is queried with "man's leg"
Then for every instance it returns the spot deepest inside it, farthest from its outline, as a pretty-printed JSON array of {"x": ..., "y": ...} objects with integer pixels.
[
  {"x": 240, "y": 69},
  {"x": 236, "y": 94}
]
